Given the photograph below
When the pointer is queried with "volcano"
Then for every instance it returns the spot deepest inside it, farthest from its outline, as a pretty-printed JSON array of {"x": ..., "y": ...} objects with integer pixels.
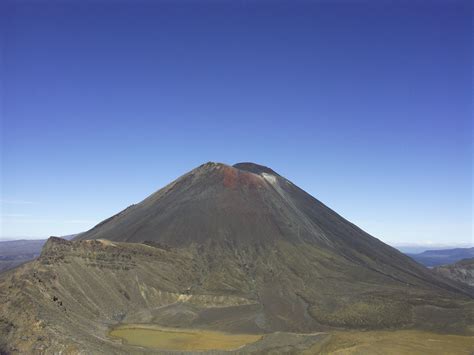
[{"x": 235, "y": 248}]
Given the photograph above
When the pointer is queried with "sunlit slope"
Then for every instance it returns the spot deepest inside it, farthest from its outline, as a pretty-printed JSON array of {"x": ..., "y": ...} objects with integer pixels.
[{"x": 76, "y": 291}]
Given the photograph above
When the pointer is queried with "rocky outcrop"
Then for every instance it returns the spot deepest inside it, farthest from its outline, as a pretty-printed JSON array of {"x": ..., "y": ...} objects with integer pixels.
[{"x": 462, "y": 271}]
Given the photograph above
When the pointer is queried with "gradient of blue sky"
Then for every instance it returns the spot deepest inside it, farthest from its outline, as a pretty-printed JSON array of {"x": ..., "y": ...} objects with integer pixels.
[{"x": 364, "y": 104}]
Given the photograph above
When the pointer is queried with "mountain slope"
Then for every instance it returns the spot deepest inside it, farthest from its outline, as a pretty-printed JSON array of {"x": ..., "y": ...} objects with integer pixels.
[
  {"x": 239, "y": 249},
  {"x": 250, "y": 207}
]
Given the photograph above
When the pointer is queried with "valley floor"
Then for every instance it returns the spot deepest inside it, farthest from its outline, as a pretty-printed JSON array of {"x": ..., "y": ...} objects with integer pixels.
[
  {"x": 401, "y": 342},
  {"x": 152, "y": 336}
]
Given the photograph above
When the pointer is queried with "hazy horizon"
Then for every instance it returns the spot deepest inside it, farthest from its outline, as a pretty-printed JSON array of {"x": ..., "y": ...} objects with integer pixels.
[{"x": 407, "y": 245}]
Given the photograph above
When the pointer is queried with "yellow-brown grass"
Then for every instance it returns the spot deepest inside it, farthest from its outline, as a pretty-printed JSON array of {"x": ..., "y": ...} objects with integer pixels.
[
  {"x": 403, "y": 342},
  {"x": 156, "y": 337}
]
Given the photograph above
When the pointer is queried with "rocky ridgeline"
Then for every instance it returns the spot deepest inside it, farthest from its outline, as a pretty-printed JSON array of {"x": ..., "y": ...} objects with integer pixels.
[
  {"x": 100, "y": 253},
  {"x": 113, "y": 256}
]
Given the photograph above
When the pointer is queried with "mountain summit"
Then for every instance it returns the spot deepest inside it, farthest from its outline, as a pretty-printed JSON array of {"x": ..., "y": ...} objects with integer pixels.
[
  {"x": 214, "y": 202},
  {"x": 250, "y": 206},
  {"x": 234, "y": 248},
  {"x": 244, "y": 203}
]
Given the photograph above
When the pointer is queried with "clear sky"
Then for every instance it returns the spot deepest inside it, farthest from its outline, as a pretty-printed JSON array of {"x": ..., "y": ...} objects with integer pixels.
[{"x": 364, "y": 104}]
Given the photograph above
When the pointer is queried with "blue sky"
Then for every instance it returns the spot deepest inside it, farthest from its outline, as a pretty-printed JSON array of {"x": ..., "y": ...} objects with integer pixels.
[{"x": 364, "y": 104}]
